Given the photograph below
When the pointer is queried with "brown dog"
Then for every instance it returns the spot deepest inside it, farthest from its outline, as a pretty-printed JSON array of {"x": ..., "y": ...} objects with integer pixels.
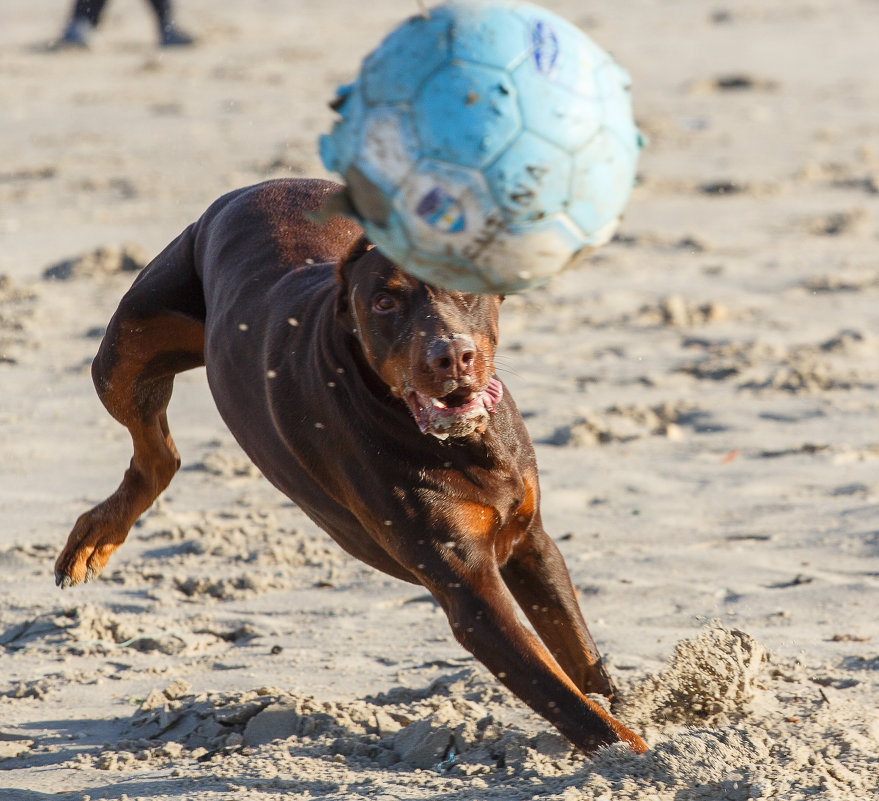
[{"x": 368, "y": 398}]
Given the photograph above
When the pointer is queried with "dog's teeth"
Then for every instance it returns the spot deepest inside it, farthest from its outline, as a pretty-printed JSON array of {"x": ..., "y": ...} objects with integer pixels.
[{"x": 437, "y": 403}]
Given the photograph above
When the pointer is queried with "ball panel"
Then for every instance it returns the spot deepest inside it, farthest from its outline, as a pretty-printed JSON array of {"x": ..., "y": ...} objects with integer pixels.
[
  {"x": 552, "y": 110},
  {"x": 557, "y": 49},
  {"x": 517, "y": 257},
  {"x": 445, "y": 209},
  {"x": 465, "y": 114},
  {"x": 488, "y": 34},
  {"x": 366, "y": 196},
  {"x": 391, "y": 238},
  {"x": 461, "y": 275},
  {"x": 604, "y": 172},
  {"x": 614, "y": 84},
  {"x": 339, "y": 148},
  {"x": 603, "y": 235},
  {"x": 388, "y": 147},
  {"x": 399, "y": 66},
  {"x": 530, "y": 179}
]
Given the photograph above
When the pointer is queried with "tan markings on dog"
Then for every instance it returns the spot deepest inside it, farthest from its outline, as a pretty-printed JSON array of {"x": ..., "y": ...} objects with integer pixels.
[
  {"x": 474, "y": 519},
  {"x": 149, "y": 353},
  {"x": 626, "y": 735},
  {"x": 399, "y": 281},
  {"x": 141, "y": 342},
  {"x": 484, "y": 343},
  {"x": 395, "y": 372},
  {"x": 507, "y": 538}
]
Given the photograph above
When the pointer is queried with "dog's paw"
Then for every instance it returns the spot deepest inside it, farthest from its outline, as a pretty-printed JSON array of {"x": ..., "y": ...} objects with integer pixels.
[
  {"x": 89, "y": 546},
  {"x": 65, "y": 580}
]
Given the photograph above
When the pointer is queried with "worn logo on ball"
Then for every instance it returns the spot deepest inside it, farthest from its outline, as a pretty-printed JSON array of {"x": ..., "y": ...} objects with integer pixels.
[
  {"x": 441, "y": 211},
  {"x": 544, "y": 47}
]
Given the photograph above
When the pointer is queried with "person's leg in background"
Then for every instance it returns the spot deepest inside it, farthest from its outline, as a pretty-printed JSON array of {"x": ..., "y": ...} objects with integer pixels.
[
  {"x": 83, "y": 20},
  {"x": 86, "y": 15},
  {"x": 169, "y": 34}
]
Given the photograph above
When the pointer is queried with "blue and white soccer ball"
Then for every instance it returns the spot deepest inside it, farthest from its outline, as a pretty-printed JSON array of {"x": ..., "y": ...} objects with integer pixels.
[{"x": 485, "y": 144}]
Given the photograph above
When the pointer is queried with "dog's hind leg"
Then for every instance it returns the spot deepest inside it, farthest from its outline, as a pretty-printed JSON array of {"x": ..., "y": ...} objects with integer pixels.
[
  {"x": 537, "y": 577},
  {"x": 157, "y": 332}
]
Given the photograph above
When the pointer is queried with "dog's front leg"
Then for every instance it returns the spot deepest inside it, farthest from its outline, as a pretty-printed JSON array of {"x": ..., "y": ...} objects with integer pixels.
[
  {"x": 537, "y": 577},
  {"x": 483, "y": 617}
]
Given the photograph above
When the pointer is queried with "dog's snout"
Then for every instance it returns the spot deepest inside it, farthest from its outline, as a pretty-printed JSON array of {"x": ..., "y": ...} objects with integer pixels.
[{"x": 452, "y": 357}]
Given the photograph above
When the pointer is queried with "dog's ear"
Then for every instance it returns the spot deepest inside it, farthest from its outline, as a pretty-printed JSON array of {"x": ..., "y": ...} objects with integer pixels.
[{"x": 343, "y": 269}]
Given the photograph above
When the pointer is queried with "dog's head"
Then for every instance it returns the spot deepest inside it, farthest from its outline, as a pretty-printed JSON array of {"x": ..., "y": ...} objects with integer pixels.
[{"x": 432, "y": 347}]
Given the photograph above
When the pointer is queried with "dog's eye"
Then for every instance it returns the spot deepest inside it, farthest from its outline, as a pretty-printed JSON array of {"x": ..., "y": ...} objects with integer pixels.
[{"x": 384, "y": 303}]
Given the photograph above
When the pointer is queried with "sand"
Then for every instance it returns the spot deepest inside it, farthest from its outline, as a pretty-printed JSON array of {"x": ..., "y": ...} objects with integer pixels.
[{"x": 702, "y": 394}]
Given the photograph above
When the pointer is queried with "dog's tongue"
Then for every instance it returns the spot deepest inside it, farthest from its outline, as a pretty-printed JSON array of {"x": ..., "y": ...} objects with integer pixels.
[{"x": 493, "y": 393}]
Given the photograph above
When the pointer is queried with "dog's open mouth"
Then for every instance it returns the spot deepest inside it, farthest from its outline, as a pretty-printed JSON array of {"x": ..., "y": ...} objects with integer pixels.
[{"x": 458, "y": 414}]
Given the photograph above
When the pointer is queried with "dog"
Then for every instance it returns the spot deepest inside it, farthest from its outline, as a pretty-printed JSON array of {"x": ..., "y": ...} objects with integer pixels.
[{"x": 369, "y": 398}]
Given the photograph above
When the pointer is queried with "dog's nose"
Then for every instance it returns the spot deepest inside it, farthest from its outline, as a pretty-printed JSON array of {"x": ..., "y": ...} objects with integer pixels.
[{"x": 452, "y": 357}]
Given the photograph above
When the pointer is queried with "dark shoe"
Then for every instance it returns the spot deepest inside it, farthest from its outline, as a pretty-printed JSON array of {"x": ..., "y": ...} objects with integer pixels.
[
  {"x": 77, "y": 35},
  {"x": 172, "y": 36}
]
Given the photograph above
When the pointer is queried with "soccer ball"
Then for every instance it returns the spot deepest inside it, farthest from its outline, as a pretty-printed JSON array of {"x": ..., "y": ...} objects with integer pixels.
[{"x": 484, "y": 145}]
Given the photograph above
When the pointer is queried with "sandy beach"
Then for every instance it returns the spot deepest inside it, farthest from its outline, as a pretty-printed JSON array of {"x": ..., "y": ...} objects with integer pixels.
[{"x": 702, "y": 394}]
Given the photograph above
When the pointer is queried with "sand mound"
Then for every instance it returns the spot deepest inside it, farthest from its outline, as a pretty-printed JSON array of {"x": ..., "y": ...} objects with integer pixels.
[
  {"x": 710, "y": 679},
  {"x": 16, "y": 309},
  {"x": 725, "y": 724},
  {"x": 625, "y": 423},
  {"x": 87, "y": 629},
  {"x": 766, "y": 732},
  {"x": 460, "y": 721},
  {"x": 802, "y": 368},
  {"x": 90, "y": 629},
  {"x": 104, "y": 260}
]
